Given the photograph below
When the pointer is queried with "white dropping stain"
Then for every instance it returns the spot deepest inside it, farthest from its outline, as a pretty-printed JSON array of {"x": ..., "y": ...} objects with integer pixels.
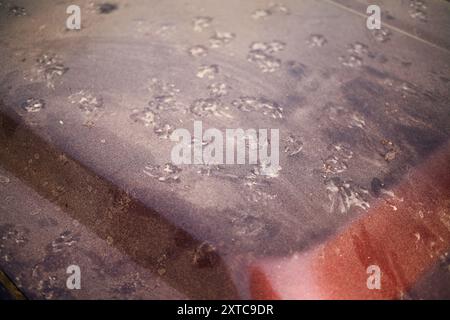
[
  {"x": 220, "y": 39},
  {"x": 17, "y": 11},
  {"x": 261, "y": 54},
  {"x": 267, "y": 170},
  {"x": 276, "y": 8},
  {"x": 355, "y": 57},
  {"x": 163, "y": 131},
  {"x": 382, "y": 35},
  {"x": 344, "y": 195},
  {"x": 260, "y": 14},
  {"x": 146, "y": 116},
  {"x": 65, "y": 239},
  {"x": 207, "y": 71},
  {"x": 316, "y": 40},
  {"x": 418, "y": 10},
  {"x": 50, "y": 67},
  {"x": 337, "y": 162},
  {"x": 165, "y": 29},
  {"x": 358, "y": 48},
  {"x": 219, "y": 89},
  {"x": 351, "y": 61},
  {"x": 4, "y": 179},
  {"x": 268, "y": 47},
  {"x": 209, "y": 106},
  {"x": 33, "y": 105},
  {"x": 390, "y": 150},
  {"x": 160, "y": 87},
  {"x": 168, "y": 173},
  {"x": 259, "y": 105},
  {"x": 198, "y": 51},
  {"x": 201, "y": 23},
  {"x": 357, "y": 120},
  {"x": 293, "y": 146},
  {"x": 87, "y": 101},
  {"x": 164, "y": 96}
]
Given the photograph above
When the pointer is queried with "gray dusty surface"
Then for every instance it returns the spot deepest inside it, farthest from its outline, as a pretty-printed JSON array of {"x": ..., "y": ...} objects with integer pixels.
[{"x": 86, "y": 117}]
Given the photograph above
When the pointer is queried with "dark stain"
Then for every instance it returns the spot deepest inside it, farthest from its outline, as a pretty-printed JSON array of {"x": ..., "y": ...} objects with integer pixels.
[
  {"x": 296, "y": 69},
  {"x": 8, "y": 126},
  {"x": 422, "y": 140},
  {"x": 205, "y": 256},
  {"x": 376, "y": 186},
  {"x": 375, "y": 72},
  {"x": 364, "y": 96},
  {"x": 106, "y": 8}
]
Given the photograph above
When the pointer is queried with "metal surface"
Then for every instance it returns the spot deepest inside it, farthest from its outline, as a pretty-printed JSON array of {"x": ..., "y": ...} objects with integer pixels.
[{"x": 361, "y": 107}]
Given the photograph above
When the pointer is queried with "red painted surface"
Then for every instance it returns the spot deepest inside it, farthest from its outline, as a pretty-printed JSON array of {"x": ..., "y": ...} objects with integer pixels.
[{"x": 404, "y": 243}]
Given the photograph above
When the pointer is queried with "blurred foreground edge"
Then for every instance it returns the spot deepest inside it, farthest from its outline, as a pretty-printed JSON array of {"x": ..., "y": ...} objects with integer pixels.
[{"x": 404, "y": 241}]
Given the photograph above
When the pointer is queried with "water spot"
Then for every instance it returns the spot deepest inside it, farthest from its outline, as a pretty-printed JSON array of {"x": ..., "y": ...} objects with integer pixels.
[
  {"x": 293, "y": 146},
  {"x": 198, "y": 51},
  {"x": 209, "y": 106},
  {"x": 17, "y": 11},
  {"x": 261, "y": 53},
  {"x": 316, "y": 40},
  {"x": 207, "y": 71},
  {"x": 261, "y": 105},
  {"x": 218, "y": 89},
  {"x": 418, "y": 10},
  {"x": 33, "y": 105},
  {"x": 221, "y": 38},
  {"x": 201, "y": 23},
  {"x": 382, "y": 35},
  {"x": 106, "y": 8},
  {"x": 167, "y": 173},
  {"x": 344, "y": 195}
]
